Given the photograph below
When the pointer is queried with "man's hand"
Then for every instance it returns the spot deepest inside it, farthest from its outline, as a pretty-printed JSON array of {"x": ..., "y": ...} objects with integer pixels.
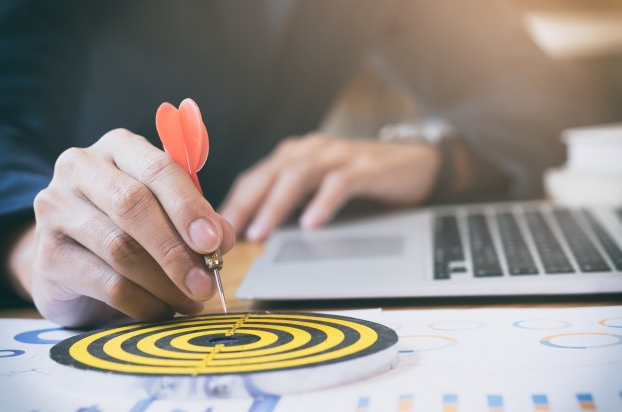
[
  {"x": 121, "y": 228},
  {"x": 331, "y": 171}
]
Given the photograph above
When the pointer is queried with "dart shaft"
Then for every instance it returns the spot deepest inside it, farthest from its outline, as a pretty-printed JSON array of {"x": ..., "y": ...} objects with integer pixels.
[
  {"x": 214, "y": 262},
  {"x": 221, "y": 291}
]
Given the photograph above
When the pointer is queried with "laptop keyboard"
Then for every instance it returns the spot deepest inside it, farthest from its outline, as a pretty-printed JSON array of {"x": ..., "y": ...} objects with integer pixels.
[
  {"x": 586, "y": 254},
  {"x": 610, "y": 246},
  {"x": 483, "y": 255},
  {"x": 519, "y": 259},
  {"x": 447, "y": 245},
  {"x": 552, "y": 256},
  {"x": 525, "y": 242}
]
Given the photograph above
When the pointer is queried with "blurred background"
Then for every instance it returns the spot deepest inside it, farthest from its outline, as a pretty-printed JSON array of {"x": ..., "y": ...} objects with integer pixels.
[{"x": 586, "y": 32}]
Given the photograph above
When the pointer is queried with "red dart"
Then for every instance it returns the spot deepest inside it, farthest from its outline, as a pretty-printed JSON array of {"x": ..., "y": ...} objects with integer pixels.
[
  {"x": 184, "y": 138},
  {"x": 169, "y": 129},
  {"x": 195, "y": 134}
]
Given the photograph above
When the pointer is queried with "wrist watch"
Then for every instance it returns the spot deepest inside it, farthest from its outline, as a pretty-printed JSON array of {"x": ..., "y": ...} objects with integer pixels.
[
  {"x": 431, "y": 131},
  {"x": 435, "y": 132}
]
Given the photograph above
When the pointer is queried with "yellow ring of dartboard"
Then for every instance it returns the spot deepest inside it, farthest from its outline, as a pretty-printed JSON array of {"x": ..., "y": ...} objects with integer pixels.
[{"x": 221, "y": 344}]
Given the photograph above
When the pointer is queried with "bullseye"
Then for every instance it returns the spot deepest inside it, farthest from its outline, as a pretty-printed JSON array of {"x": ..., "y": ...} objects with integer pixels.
[{"x": 227, "y": 344}]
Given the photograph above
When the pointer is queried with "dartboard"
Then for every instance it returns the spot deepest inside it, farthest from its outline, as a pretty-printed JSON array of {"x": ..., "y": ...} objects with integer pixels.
[{"x": 242, "y": 343}]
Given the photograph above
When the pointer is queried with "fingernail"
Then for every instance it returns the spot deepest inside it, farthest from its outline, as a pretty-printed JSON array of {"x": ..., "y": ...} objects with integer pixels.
[
  {"x": 199, "y": 284},
  {"x": 204, "y": 235},
  {"x": 256, "y": 231},
  {"x": 190, "y": 307},
  {"x": 310, "y": 219}
]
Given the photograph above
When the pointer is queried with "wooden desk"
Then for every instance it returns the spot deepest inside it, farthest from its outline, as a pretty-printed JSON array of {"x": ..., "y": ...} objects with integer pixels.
[{"x": 239, "y": 260}]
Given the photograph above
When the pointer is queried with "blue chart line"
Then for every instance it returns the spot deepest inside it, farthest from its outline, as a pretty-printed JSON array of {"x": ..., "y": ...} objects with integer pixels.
[
  {"x": 32, "y": 336},
  {"x": 541, "y": 324},
  {"x": 612, "y": 322},
  {"x": 143, "y": 404},
  {"x": 595, "y": 337},
  {"x": 264, "y": 404},
  {"x": 89, "y": 409},
  {"x": 10, "y": 353}
]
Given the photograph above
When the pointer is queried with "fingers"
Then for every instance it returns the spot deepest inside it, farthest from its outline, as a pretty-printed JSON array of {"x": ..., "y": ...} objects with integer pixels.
[
  {"x": 80, "y": 294},
  {"x": 171, "y": 214},
  {"x": 228, "y": 237},
  {"x": 156, "y": 208},
  {"x": 127, "y": 257},
  {"x": 122, "y": 226},
  {"x": 252, "y": 188},
  {"x": 247, "y": 194},
  {"x": 336, "y": 189},
  {"x": 285, "y": 194},
  {"x": 133, "y": 208},
  {"x": 193, "y": 217},
  {"x": 67, "y": 241},
  {"x": 265, "y": 195},
  {"x": 337, "y": 170}
]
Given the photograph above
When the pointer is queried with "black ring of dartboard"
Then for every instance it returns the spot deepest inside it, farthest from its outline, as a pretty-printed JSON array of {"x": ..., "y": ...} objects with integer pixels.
[{"x": 217, "y": 344}]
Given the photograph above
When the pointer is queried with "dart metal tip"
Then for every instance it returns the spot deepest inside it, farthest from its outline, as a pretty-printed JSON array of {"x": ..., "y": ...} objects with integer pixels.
[{"x": 214, "y": 262}]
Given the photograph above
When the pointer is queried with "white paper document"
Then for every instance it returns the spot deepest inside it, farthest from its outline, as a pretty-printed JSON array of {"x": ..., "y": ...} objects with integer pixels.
[{"x": 454, "y": 360}]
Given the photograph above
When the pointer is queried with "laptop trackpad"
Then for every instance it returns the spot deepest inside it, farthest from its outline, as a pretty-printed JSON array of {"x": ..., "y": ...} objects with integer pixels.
[{"x": 293, "y": 250}]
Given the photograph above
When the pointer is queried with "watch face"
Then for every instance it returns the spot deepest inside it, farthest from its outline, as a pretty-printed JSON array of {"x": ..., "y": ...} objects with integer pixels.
[{"x": 431, "y": 131}]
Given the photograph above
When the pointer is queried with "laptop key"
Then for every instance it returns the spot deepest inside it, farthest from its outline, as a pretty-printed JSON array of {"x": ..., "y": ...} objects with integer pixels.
[
  {"x": 447, "y": 245},
  {"x": 611, "y": 247},
  {"x": 483, "y": 253},
  {"x": 584, "y": 251},
  {"x": 517, "y": 255},
  {"x": 553, "y": 258}
]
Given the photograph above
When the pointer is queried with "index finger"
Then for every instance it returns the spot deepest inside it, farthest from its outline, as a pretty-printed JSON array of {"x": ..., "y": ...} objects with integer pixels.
[{"x": 192, "y": 215}]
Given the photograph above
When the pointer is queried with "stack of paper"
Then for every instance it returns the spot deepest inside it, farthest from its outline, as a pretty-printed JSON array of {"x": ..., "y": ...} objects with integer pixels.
[{"x": 592, "y": 174}]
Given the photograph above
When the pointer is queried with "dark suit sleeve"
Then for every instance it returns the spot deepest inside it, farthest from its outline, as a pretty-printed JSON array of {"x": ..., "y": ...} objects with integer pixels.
[
  {"x": 29, "y": 44},
  {"x": 28, "y": 55}
]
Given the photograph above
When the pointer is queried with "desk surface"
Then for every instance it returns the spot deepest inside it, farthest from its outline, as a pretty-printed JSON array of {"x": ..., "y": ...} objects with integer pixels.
[
  {"x": 239, "y": 260},
  {"x": 498, "y": 361}
]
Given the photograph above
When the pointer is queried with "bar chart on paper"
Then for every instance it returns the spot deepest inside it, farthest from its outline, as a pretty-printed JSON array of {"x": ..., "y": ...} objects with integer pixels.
[
  {"x": 493, "y": 360},
  {"x": 488, "y": 360},
  {"x": 451, "y": 402}
]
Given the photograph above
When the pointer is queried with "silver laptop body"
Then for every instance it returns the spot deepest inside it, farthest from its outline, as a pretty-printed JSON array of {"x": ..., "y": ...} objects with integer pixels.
[{"x": 527, "y": 248}]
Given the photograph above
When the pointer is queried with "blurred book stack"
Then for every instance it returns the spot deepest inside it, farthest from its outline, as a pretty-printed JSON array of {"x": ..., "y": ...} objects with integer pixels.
[{"x": 592, "y": 174}]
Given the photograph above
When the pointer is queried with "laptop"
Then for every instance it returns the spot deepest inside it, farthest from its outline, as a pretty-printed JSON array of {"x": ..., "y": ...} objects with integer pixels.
[{"x": 517, "y": 248}]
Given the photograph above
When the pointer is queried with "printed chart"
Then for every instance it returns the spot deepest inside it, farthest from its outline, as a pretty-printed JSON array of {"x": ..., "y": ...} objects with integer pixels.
[{"x": 489, "y": 360}]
